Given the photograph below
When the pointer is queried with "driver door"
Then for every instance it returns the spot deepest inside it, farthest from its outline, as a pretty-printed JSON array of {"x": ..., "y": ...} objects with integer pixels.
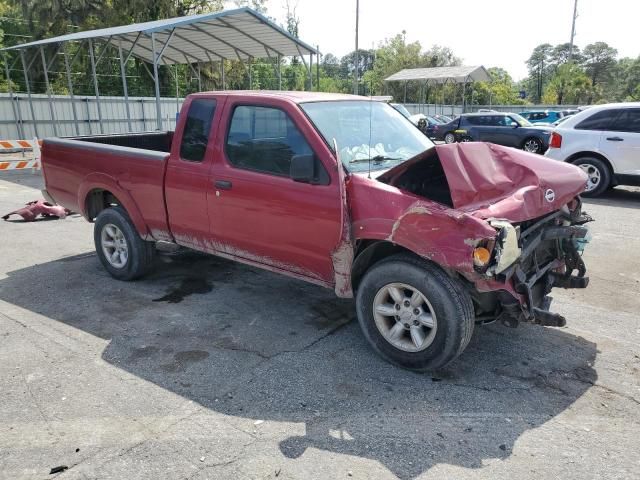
[{"x": 258, "y": 213}]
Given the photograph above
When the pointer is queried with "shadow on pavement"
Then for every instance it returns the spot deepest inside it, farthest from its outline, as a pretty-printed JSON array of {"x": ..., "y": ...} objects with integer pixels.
[
  {"x": 248, "y": 344},
  {"x": 626, "y": 197}
]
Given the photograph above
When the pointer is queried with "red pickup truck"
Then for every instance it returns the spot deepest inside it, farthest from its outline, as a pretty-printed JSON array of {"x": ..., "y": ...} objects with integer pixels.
[{"x": 343, "y": 192}]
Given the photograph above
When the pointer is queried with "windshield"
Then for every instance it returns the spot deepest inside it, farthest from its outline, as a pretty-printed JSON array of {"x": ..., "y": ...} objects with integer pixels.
[
  {"x": 367, "y": 130},
  {"x": 521, "y": 121}
]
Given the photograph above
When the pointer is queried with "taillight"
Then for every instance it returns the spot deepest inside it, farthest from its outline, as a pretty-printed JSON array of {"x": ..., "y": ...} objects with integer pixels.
[{"x": 555, "y": 141}]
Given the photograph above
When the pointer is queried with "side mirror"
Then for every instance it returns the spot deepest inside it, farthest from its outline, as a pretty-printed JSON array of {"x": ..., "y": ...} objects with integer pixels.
[
  {"x": 514, "y": 125},
  {"x": 303, "y": 168}
]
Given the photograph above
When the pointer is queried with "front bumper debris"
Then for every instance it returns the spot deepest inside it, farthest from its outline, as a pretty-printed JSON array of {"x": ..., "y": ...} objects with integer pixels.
[{"x": 550, "y": 257}]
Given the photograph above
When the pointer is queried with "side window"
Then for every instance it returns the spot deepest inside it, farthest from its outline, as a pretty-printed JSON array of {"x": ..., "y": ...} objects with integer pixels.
[
  {"x": 196, "y": 130},
  {"x": 500, "y": 120},
  {"x": 602, "y": 120},
  {"x": 628, "y": 121},
  {"x": 264, "y": 139}
]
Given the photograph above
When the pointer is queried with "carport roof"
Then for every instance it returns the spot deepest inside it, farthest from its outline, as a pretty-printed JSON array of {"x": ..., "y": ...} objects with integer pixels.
[
  {"x": 442, "y": 74},
  {"x": 232, "y": 34}
]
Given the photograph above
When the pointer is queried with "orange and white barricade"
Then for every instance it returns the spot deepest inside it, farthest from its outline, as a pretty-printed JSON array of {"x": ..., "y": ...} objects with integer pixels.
[{"x": 12, "y": 146}]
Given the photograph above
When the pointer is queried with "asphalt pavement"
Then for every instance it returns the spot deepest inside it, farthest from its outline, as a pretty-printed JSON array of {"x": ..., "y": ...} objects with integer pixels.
[{"x": 208, "y": 369}]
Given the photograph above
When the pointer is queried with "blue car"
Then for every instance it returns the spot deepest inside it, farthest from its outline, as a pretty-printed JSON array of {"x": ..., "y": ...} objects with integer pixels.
[{"x": 540, "y": 117}]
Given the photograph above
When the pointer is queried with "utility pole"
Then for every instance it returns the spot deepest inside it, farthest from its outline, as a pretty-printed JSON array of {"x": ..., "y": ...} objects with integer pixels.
[
  {"x": 573, "y": 29},
  {"x": 356, "y": 59}
]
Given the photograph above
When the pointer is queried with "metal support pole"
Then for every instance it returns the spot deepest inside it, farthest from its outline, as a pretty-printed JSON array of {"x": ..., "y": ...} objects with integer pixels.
[
  {"x": 45, "y": 70},
  {"x": 464, "y": 99},
  {"x": 67, "y": 68},
  {"x": 177, "y": 94},
  {"x": 17, "y": 117},
  {"x": 222, "y": 75},
  {"x": 318, "y": 69},
  {"x": 95, "y": 84},
  {"x": 250, "y": 74},
  {"x": 199, "y": 77},
  {"x": 26, "y": 80},
  {"x": 125, "y": 89},
  {"x": 405, "y": 91},
  {"x": 279, "y": 73},
  {"x": 156, "y": 81},
  {"x": 356, "y": 59},
  {"x": 311, "y": 72}
]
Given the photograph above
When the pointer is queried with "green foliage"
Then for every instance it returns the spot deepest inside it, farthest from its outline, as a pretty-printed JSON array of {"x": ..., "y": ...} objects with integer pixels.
[
  {"x": 592, "y": 74},
  {"x": 568, "y": 85}
]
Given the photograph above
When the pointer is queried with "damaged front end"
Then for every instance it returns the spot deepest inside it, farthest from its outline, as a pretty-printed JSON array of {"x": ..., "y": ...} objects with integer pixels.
[{"x": 531, "y": 258}]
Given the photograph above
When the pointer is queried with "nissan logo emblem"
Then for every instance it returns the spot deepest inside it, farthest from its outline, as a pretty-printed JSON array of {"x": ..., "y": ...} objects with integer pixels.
[{"x": 550, "y": 195}]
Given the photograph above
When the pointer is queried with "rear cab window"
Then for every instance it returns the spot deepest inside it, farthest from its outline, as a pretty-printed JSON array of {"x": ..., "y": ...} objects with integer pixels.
[{"x": 197, "y": 128}]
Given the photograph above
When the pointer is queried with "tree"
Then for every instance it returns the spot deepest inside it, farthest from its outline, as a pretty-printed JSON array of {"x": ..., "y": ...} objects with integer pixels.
[
  {"x": 568, "y": 85},
  {"x": 258, "y": 5},
  {"x": 539, "y": 69},
  {"x": 331, "y": 65},
  {"x": 560, "y": 55},
  {"x": 599, "y": 61}
]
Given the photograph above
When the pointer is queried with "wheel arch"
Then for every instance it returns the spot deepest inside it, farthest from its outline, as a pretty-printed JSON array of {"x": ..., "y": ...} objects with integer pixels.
[
  {"x": 574, "y": 156},
  {"x": 369, "y": 252},
  {"x": 100, "y": 192}
]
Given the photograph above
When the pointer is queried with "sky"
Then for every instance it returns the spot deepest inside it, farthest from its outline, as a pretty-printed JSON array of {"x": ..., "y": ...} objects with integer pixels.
[{"x": 481, "y": 32}]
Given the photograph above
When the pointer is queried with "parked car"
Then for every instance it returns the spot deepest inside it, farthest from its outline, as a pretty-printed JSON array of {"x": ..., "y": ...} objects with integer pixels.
[
  {"x": 605, "y": 142},
  {"x": 443, "y": 118},
  {"x": 545, "y": 117},
  {"x": 402, "y": 109},
  {"x": 559, "y": 121},
  {"x": 344, "y": 193},
  {"x": 508, "y": 129},
  {"x": 426, "y": 123}
]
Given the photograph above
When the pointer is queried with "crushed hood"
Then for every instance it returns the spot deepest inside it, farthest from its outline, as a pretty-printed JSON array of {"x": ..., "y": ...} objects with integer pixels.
[{"x": 492, "y": 181}]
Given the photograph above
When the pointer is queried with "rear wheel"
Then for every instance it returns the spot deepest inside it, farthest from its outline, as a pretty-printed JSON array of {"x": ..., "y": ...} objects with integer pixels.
[
  {"x": 119, "y": 247},
  {"x": 449, "y": 138},
  {"x": 532, "y": 145},
  {"x": 598, "y": 173},
  {"x": 414, "y": 314}
]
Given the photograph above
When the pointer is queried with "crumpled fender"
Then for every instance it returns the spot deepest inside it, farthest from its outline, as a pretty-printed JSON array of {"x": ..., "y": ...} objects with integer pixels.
[
  {"x": 102, "y": 181},
  {"x": 442, "y": 235}
]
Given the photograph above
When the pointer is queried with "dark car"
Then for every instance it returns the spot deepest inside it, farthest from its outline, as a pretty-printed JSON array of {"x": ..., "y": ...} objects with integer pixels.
[{"x": 508, "y": 129}]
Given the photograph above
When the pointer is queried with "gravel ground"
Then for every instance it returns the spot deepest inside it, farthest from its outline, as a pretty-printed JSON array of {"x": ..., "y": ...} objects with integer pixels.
[{"x": 210, "y": 369}]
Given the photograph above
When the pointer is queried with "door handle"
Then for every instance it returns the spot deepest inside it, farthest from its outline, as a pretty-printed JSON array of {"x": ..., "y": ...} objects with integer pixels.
[
  {"x": 615, "y": 139},
  {"x": 223, "y": 184}
]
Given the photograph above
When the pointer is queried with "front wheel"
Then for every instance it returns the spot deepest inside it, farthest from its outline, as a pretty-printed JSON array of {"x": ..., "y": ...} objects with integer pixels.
[
  {"x": 413, "y": 314},
  {"x": 449, "y": 138},
  {"x": 119, "y": 247}
]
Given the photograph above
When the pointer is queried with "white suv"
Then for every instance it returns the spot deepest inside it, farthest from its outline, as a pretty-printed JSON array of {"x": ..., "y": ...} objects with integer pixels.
[{"x": 604, "y": 141}]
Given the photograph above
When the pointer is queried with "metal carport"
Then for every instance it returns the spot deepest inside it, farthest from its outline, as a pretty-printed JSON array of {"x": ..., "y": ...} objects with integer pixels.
[
  {"x": 441, "y": 75},
  {"x": 241, "y": 34}
]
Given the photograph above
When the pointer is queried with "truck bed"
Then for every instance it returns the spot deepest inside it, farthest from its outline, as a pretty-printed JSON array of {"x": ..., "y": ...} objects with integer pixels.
[
  {"x": 155, "y": 141},
  {"x": 131, "y": 166}
]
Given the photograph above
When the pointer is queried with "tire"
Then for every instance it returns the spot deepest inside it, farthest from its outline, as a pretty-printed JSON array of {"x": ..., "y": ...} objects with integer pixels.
[
  {"x": 448, "y": 303},
  {"x": 113, "y": 231},
  {"x": 466, "y": 139},
  {"x": 532, "y": 145},
  {"x": 449, "y": 137},
  {"x": 599, "y": 175}
]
